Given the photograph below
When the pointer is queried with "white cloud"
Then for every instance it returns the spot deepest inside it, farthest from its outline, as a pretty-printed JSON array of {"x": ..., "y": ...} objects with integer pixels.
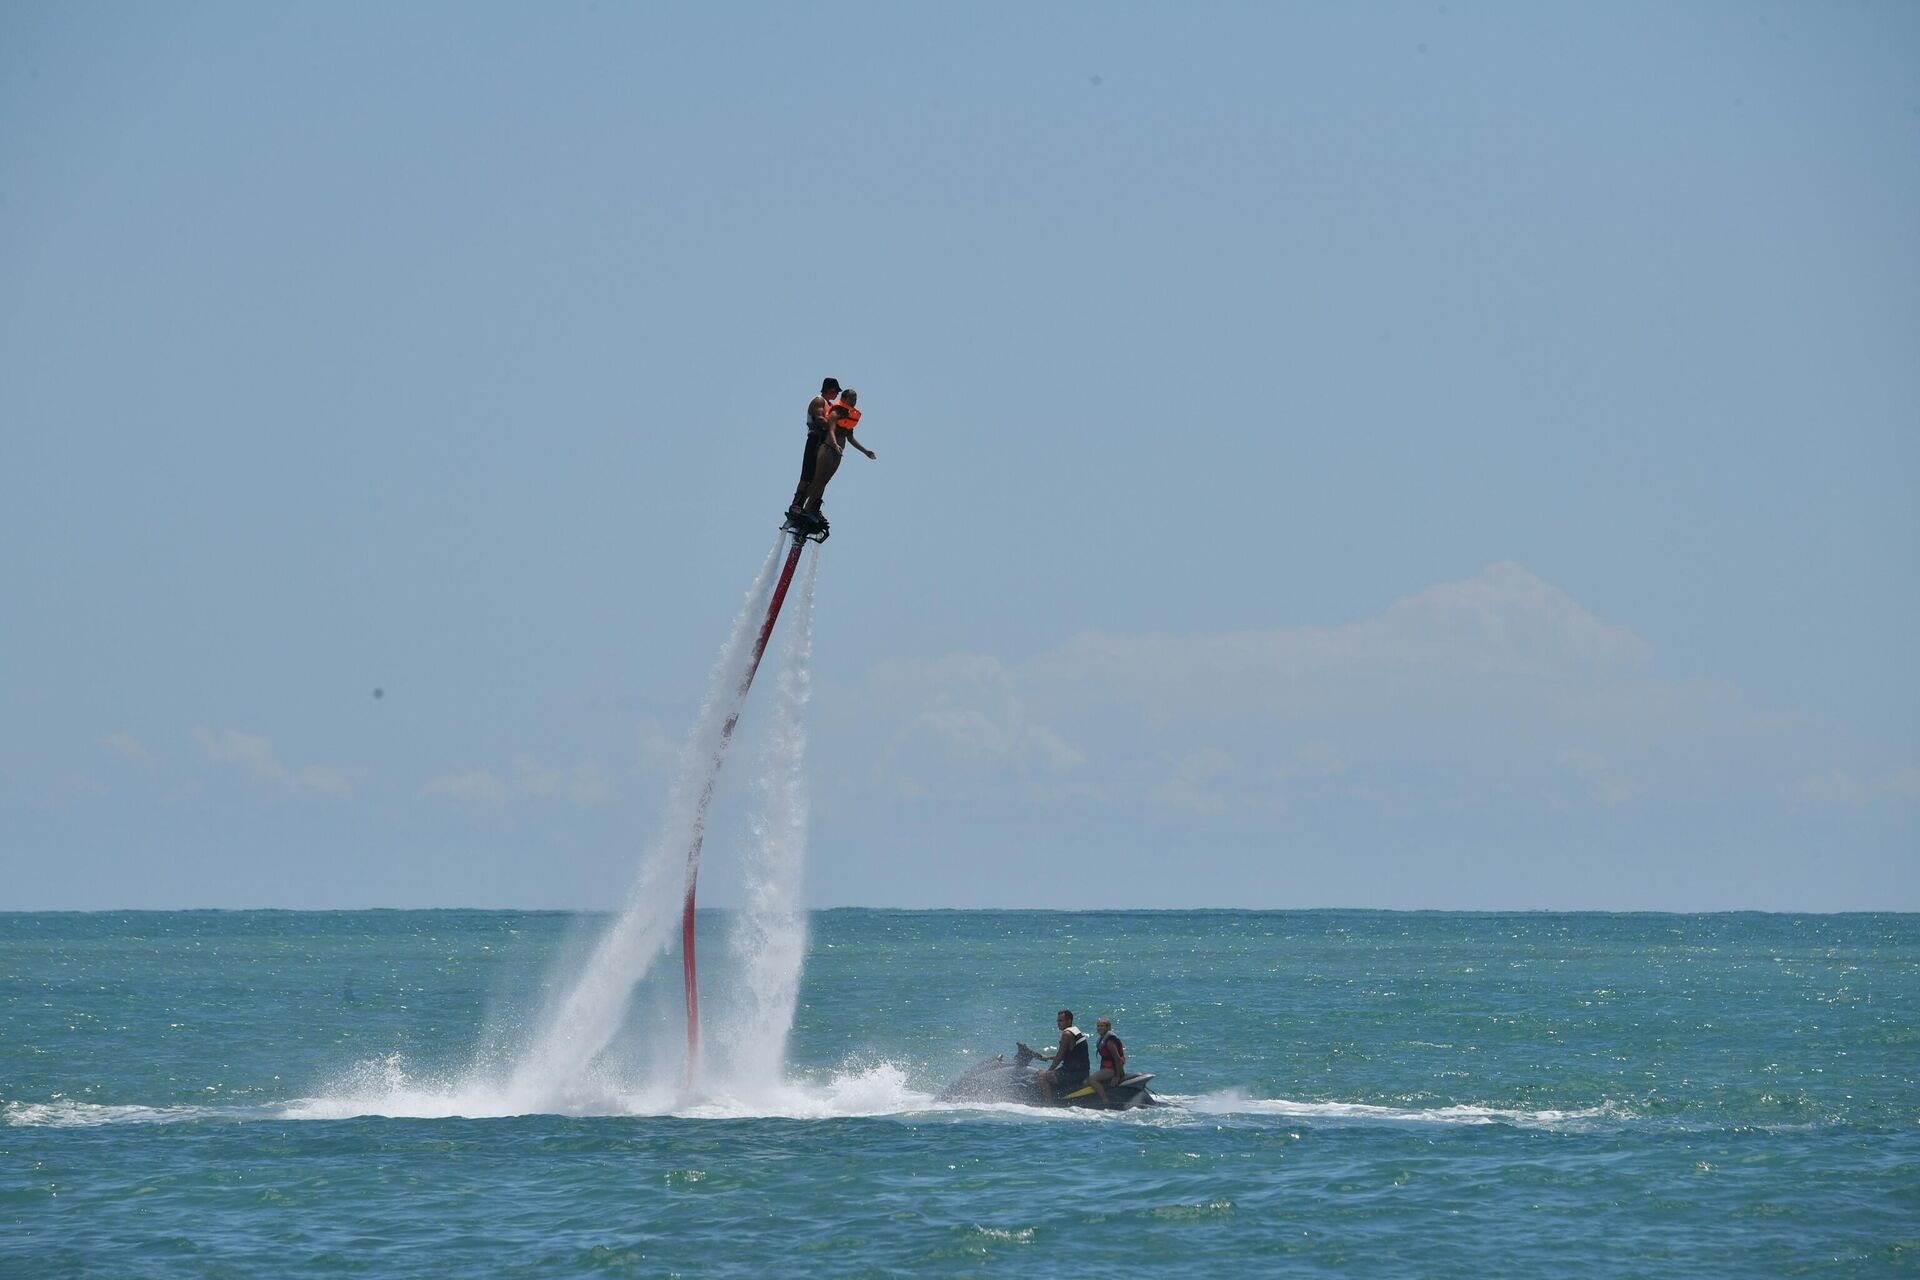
[
  {"x": 588, "y": 785},
  {"x": 245, "y": 751},
  {"x": 1602, "y": 783},
  {"x": 478, "y": 785},
  {"x": 254, "y": 756},
  {"x": 1050, "y": 748},
  {"x": 1464, "y": 692},
  {"x": 324, "y": 779},
  {"x": 1838, "y": 787},
  {"x": 127, "y": 745},
  {"x": 970, "y": 706},
  {"x": 1904, "y": 783},
  {"x": 1503, "y": 634},
  {"x": 1312, "y": 759},
  {"x": 1186, "y": 786},
  {"x": 584, "y": 784},
  {"x": 535, "y": 779}
]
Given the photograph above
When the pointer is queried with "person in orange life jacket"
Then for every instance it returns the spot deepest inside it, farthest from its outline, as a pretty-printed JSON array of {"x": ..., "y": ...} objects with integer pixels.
[
  {"x": 1113, "y": 1059},
  {"x": 842, "y": 417},
  {"x": 1069, "y": 1059},
  {"x": 816, "y": 439}
]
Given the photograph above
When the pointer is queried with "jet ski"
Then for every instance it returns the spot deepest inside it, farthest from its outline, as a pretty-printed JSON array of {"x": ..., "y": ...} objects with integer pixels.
[{"x": 998, "y": 1080}]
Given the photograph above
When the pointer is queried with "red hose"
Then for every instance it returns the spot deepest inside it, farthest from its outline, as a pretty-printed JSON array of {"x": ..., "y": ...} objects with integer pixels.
[{"x": 706, "y": 798}]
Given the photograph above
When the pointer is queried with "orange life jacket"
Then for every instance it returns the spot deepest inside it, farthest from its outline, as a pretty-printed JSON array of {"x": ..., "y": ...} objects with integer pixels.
[{"x": 844, "y": 416}]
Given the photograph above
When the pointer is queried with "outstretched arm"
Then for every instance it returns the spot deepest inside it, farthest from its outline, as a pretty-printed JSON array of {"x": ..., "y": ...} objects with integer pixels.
[{"x": 862, "y": 448}]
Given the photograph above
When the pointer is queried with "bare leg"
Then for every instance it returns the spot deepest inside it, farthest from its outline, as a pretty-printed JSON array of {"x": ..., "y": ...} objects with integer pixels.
[{"x": 824, "y": 466}]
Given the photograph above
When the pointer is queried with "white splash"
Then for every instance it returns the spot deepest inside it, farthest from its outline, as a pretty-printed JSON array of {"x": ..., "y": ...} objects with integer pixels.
[
  {"x": 767, "y": 941},
  {"x": 576, "y": 1060},
  {"x": 557, "y": 1070},
  {"x": 385, "y": 1087}
]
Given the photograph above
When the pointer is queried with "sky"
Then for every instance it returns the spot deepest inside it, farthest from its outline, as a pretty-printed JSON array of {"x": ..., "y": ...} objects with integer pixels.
[{"x": 1439, "y": 455}]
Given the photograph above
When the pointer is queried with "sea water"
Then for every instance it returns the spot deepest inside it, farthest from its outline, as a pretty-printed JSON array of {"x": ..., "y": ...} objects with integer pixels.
[{"x": 1358, "y": 1093}]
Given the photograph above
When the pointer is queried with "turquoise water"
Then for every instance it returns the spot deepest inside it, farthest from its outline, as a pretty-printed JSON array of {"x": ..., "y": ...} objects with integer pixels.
[{"x": 1364, "y": 1093}]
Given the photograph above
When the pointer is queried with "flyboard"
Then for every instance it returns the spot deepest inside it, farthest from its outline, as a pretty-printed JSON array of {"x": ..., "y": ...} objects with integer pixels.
[{"x": 804, "y": 531}]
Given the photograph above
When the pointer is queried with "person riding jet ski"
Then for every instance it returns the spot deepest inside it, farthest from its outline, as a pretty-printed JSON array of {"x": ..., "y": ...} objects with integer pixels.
[
  {"x": 1113, "y": 1059},
  {"x": 1000, "y": 1080},
  {"x": 1070, "y": 1066}
]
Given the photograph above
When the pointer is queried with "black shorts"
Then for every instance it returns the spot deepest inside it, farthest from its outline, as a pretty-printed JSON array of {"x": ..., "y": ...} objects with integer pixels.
[
  {"x": 814, "y": 440},
  {"x": 1069, "y": 1078}
]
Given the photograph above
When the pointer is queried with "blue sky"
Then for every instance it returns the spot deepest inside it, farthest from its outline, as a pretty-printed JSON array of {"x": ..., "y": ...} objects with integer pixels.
[{"x": 1438, "y": 455}]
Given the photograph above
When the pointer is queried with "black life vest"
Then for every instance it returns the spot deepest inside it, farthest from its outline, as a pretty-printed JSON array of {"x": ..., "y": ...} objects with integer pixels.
[{"x": 1074, "y": 1060}]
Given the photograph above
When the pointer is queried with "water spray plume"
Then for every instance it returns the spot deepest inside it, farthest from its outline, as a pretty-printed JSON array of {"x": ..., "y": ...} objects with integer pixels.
[
  {"x": 768, "y": 940},
  {"x": 690, "y": 969},
  {"x": 581, "y": 1025}
]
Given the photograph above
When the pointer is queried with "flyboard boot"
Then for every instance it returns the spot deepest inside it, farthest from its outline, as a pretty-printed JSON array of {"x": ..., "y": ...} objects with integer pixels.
[{"x": 806, "y": 524}]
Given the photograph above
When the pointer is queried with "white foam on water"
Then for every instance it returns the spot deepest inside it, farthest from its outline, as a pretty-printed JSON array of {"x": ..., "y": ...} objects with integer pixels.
[
  {"x": 878, "y": 1090},
  {"x": 1233, "y": 1102},
  {"x": 70, "y": 1113},
  {"x": 385, "y": 1087}
]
